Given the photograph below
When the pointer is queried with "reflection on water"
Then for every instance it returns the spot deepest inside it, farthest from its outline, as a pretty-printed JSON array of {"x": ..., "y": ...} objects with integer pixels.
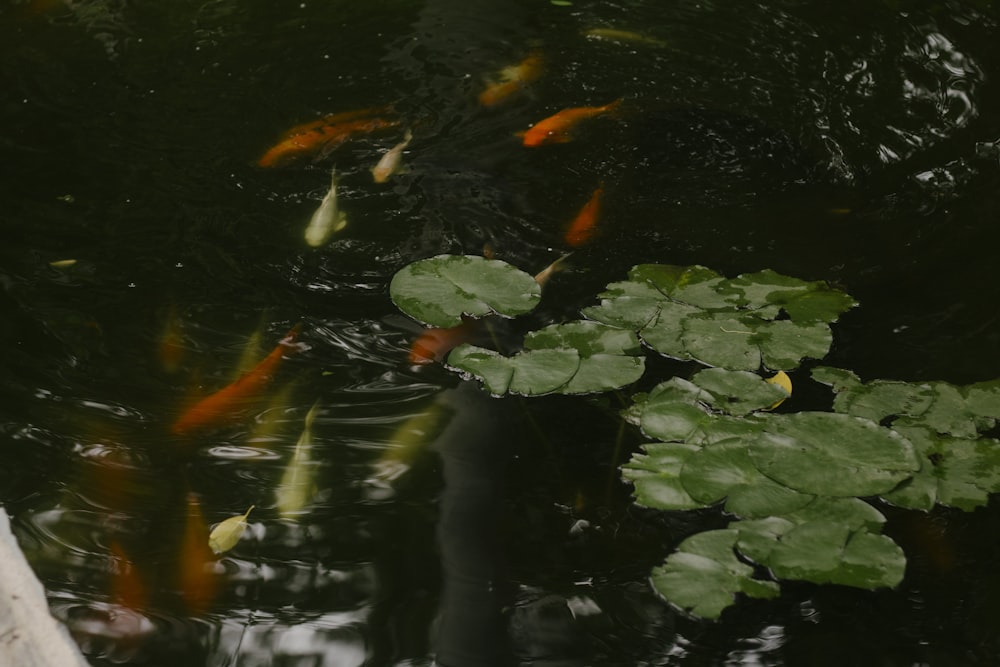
[{"x": 851, "y": 142}]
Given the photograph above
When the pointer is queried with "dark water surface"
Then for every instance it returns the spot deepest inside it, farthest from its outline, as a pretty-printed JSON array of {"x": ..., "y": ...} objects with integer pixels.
[{"x": 854, "y": 142}]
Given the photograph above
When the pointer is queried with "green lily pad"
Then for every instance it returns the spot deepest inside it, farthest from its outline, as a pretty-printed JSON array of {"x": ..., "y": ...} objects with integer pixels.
[
  {"x": 629, "y": 305},
  {"x": 832, "y": 454},
  {"x": 943, "y": 408},
  {"x": 695, "y": 285},
  {"x": 738, "y": 392},
  {"x": 954, "y": 471},
  {"x": 724, "y": 470},
  {"x": 694, "y": 313},
  {"x": 803, "y": 301},
  {"x": 439, "y": 290},
  {"x": 573, "y": 358},
  {"x": 588, "y": 338},
  {"x": 703, "y": 576},
  {"x": 656, "y": 476},
  {"x": 822, "y": 552}
]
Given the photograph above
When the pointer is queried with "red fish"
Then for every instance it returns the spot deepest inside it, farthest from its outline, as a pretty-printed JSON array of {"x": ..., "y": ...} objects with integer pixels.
[
  {"x": 126, "y": 586},
  {"x": 512, "y": 80},
  {"x": 197, "y": 582},
  {"x": 558, "y": 128},
  {"x": 222, "y": 406},
  {"x": 318, "y": 138},
  {"x": 583, "y": 226},
  {"x": 435, "y": 343}
]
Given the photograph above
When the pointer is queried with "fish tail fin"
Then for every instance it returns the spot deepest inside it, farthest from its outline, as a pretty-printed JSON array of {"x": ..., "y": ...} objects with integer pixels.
[
  {"x": 341, "y": 221},
  {"x": 612, "y": 107}
]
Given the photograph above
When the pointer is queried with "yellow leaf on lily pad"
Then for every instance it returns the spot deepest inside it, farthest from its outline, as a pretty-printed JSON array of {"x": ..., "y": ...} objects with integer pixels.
[
  {"x": 782, "y": 380},
  {"x": 225, "y": 535}
]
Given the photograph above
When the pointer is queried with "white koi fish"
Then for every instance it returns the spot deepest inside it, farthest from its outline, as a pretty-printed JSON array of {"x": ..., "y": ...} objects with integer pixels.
[
  {"x": 328, "y": 218},
  {"x": 389, "y": 164}
]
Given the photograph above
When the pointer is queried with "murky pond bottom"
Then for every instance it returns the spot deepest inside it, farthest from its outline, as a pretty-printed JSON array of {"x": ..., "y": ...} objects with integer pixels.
[{"x": 149, "y": 260}]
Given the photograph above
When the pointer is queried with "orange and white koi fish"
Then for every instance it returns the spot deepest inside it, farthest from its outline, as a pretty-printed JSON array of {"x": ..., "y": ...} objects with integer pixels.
[
  {"x": 558, "y": 128},
  {"x": 222, "y": 406},
  {"x": 389, "y": 164},
  {"x": 318, "y": 138},
  {"x": 583, "y": 226},
  {"x": 195, "y": 578},
  {"x": 512, "y": 80},
  {"x": 435, "y": 343}
]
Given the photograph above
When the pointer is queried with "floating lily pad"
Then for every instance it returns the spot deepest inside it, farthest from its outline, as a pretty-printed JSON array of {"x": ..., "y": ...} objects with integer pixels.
[
  {"x": 656, "y": 476},
  {"x": 724, "y": 470},
  {"x": 574, "y": 358},
  {"x": 954, "y": 471},
  {"x": 738, "y": 392},
  {"x": 803, "y": 301},
  {"x": 941, "y": 407},
  {"x": 439, "y": 290},
  {"x": 740, "y": 324},
  {"x": 703, "y": 576},
  {"x": 832, "y": 454},
  {"x": 822, "y": 552}
]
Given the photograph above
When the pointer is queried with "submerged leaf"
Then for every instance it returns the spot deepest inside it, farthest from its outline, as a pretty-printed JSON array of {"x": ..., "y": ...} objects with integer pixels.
[{"x": 227, "y": 533}]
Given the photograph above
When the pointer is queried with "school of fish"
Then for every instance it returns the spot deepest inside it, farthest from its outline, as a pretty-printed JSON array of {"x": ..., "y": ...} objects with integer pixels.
[{"x": 256, "y": 389}]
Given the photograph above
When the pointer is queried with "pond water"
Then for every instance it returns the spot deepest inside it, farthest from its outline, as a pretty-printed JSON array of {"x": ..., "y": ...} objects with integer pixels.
[{"x": 852, "y": 142}]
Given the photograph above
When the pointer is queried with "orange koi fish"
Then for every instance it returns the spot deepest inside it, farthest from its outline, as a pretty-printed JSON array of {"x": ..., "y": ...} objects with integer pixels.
[
  {"x": 558, "y": 128},
  {"x": 126, "y": 585},
  {"x": 319, "y": 138},
  {"x": 196, "y": 581},
  {"x": 581, "y": 229},
  {"x": 336, "y": 119},
  {"x": 435, "y": 343},
  {"x": 512, "y": 80},
  {"x": 220, "y": 407}
]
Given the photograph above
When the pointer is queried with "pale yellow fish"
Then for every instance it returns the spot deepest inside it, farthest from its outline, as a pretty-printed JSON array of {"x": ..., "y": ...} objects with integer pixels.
[
  {"x": 296, "y": 487},
  {"x": 627, "y": 36},
  {"x": 389, "y": 164},
  {"x": 545, "y": 274},
  {"x": 408, "y": 440},
  {"x": 269, "y": 423},
  {"x": 782, "y": 380},
  {"x": 227, "y": 533},
  {"x": 253, "y": 352},
  {"x": 328, "y": 218},
  {"x": 62, "y": 263}
]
